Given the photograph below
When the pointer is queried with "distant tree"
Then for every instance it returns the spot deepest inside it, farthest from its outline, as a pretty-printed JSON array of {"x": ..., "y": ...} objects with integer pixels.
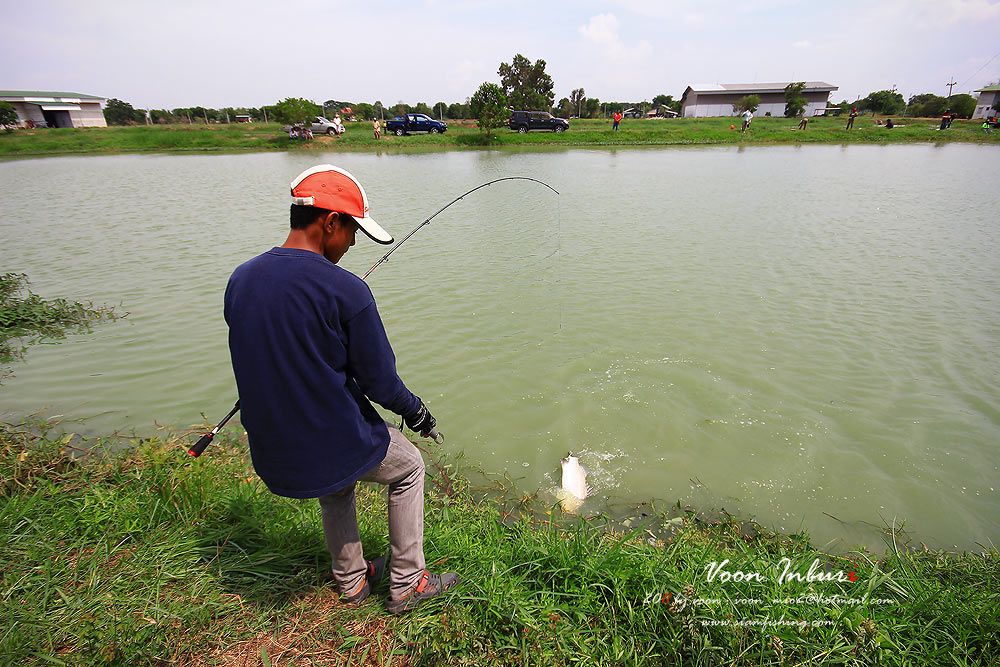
[
  {"x": 333, "y": 107},
  {"x": 8, "y": 114},
  {"x": 593, "y": 108},
  {"x": 526, "y": 85},
  {"x": 669, "y": 102},
  {"x": 162, "y": 116},
  {"x": 422, "y": 108},
  {"x": 883, "y": 101},
  {"x": 294, "y": 110},
  {"x": 751, "y": 102},
  {"x": 401, "y": 108},
  {"x": 363, "y": 111},
  {"x": 489, "y": 107},
  {"x": 565, "y": 108},
  {"x": 117, "y": 112},
  {"x": 578, "y": 98},
  {"x": 455, "y": 111},
  {"x": 926, "y": 105},
  {"x": 962, "y": 105},
  {"x": 795, "y": 104},
  {"x": 439, "y": 109},
  {"x": 844, "y": 106}
]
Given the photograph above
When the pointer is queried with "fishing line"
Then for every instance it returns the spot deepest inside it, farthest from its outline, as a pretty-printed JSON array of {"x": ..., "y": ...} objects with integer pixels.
[
  {"x": 385, "y": 257},
  {"x": 206, "y": 439}
]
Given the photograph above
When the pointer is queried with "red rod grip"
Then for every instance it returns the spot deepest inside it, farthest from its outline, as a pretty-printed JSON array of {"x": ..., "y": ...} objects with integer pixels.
[{"x": 200, "y": 446}]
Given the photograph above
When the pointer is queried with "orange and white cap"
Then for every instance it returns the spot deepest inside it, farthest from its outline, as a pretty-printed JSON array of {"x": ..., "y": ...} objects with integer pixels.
[{"x": 332, "y": 188}]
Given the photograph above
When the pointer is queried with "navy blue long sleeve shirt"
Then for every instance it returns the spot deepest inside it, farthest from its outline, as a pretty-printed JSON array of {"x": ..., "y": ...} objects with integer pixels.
[{"x": 309, "y": 350}]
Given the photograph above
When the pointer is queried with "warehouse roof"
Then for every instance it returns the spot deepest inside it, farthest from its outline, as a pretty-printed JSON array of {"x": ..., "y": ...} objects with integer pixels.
[
  {"x": 709, "y": 88},
  {"x": 44, "y": 96}
]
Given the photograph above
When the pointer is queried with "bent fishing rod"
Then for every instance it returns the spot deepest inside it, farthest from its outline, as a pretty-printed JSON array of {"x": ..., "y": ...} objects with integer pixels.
[{"x": 205, "y": 440}]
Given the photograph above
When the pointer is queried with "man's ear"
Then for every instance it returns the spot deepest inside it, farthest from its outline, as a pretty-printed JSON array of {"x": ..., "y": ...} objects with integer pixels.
[{"x": 330, "y": 221}]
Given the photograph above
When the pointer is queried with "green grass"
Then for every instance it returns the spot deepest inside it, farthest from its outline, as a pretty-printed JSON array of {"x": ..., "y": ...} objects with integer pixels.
[
  {"x": 142, "y": 555},
  {"x": 633, "y": 132}
]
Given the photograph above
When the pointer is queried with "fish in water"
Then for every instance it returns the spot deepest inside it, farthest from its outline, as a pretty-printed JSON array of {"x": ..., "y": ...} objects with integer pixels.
[{"x": 574, "y": 482}]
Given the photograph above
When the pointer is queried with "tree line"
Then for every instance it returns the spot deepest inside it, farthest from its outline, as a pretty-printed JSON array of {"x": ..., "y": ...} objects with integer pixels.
[
  {"x": 925, "y": 105},
  {"x": 524, "y": 85}
]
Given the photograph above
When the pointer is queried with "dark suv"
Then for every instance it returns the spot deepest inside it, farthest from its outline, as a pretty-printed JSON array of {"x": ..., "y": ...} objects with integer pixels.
[{"x": 522, "y": 121}]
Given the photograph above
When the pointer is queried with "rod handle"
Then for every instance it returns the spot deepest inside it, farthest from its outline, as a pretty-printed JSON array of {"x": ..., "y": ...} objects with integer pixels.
[{"x": 198, "y": 447}]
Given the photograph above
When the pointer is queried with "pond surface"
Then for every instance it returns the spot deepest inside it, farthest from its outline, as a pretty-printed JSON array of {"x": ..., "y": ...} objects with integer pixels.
[{"x": 804, "y": 335}]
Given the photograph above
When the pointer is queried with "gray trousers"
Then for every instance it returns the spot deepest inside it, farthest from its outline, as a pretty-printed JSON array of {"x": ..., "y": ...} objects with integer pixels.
[{"x": 402, "y": 470}]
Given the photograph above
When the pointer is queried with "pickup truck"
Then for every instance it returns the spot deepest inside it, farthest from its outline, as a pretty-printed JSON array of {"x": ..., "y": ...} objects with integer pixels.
[{"x": 418, "y": 122}]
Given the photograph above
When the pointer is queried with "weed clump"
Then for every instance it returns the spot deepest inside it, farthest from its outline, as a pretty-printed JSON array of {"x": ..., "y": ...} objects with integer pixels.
[{"x": 26, "y": 318}]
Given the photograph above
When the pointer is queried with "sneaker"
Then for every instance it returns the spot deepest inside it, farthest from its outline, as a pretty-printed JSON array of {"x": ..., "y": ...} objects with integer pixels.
[
  {"x": 373, "y": 576},
  {"x": 429, "y": 586}
]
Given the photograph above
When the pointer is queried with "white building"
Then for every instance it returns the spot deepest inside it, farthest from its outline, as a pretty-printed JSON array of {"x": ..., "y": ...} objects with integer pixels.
[
  {"x": 989, "y": 98},
  {"x": 717, "y": 99},
  {"x": 41, "y": 108}
]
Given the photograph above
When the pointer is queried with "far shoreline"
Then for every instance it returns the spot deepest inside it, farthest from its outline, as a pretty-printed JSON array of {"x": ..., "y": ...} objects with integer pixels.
[{"x": 461, "y": 135}]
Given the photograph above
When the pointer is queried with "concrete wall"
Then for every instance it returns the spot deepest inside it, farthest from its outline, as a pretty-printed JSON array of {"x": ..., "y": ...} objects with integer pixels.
[
  {"x": 706, "y": 105},
  {"x": 26, "y": 111},
  {"x": 89, "y": 115},
  {"x": 983, "y": 104}
]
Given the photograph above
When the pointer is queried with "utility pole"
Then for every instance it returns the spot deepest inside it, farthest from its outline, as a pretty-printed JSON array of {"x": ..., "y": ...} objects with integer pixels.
[{"x": 951, "y": 84}]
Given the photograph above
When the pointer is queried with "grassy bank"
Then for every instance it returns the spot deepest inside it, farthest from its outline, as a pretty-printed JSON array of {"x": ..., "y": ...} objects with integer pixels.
[
  {"x": 637, "y": 132},
  {"x": 141, "y": 555}
]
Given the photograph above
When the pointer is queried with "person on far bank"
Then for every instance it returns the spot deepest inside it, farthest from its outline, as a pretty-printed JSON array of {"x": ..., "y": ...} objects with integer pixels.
[
  {"x": 615, "y": 120},
  {"x": 747, "y": 118},
  {"x": 377, "y": 128},
  {"x": 851, "y": 117},
  {"x": 310, "y": 355}
]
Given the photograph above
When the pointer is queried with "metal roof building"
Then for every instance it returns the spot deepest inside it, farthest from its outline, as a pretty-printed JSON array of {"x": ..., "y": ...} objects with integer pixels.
[
  {"x": 989, "y": 98},
  {"x": 717, "y": 99},
  {"x": 42, "y": 108}
]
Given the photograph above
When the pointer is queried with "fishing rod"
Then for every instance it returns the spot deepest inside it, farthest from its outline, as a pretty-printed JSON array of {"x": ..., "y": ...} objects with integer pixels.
[
  {"x": 205, "y": 440},
  {"x": 385, "y": 257}
]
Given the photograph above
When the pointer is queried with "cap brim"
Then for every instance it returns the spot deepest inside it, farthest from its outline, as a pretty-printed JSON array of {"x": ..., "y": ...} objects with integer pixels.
[{"x": 374, "y": 231}]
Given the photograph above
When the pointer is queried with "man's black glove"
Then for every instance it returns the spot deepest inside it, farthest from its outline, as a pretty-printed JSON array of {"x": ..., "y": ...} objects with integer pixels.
[{"x": 421, "y": 421}]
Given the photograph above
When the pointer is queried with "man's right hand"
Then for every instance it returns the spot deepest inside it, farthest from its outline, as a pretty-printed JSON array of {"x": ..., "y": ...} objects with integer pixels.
[{"x": 421, "y": 421}]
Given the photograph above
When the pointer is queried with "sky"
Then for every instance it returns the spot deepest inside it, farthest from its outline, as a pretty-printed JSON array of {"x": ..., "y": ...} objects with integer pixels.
[{"x": 248, "y": 53}]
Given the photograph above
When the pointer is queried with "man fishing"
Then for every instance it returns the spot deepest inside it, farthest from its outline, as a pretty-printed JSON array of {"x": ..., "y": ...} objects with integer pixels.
[{"x": 310, "y": 353}]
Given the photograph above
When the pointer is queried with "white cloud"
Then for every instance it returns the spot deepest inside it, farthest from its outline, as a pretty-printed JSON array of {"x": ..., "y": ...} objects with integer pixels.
[
  {"x": 802, "y": 44},
  {"x": 603, "y": 32}
]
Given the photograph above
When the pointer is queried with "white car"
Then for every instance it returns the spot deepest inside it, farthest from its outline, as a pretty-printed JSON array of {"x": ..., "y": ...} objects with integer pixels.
[{"x": 320, "y": 125}]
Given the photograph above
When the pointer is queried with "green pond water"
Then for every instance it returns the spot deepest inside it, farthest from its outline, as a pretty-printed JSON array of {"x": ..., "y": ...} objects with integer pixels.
[{"x": 804, "y": 335}]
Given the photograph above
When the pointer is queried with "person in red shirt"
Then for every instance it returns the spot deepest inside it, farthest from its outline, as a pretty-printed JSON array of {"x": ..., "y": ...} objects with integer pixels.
[{"x": 617, "y": 118}]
